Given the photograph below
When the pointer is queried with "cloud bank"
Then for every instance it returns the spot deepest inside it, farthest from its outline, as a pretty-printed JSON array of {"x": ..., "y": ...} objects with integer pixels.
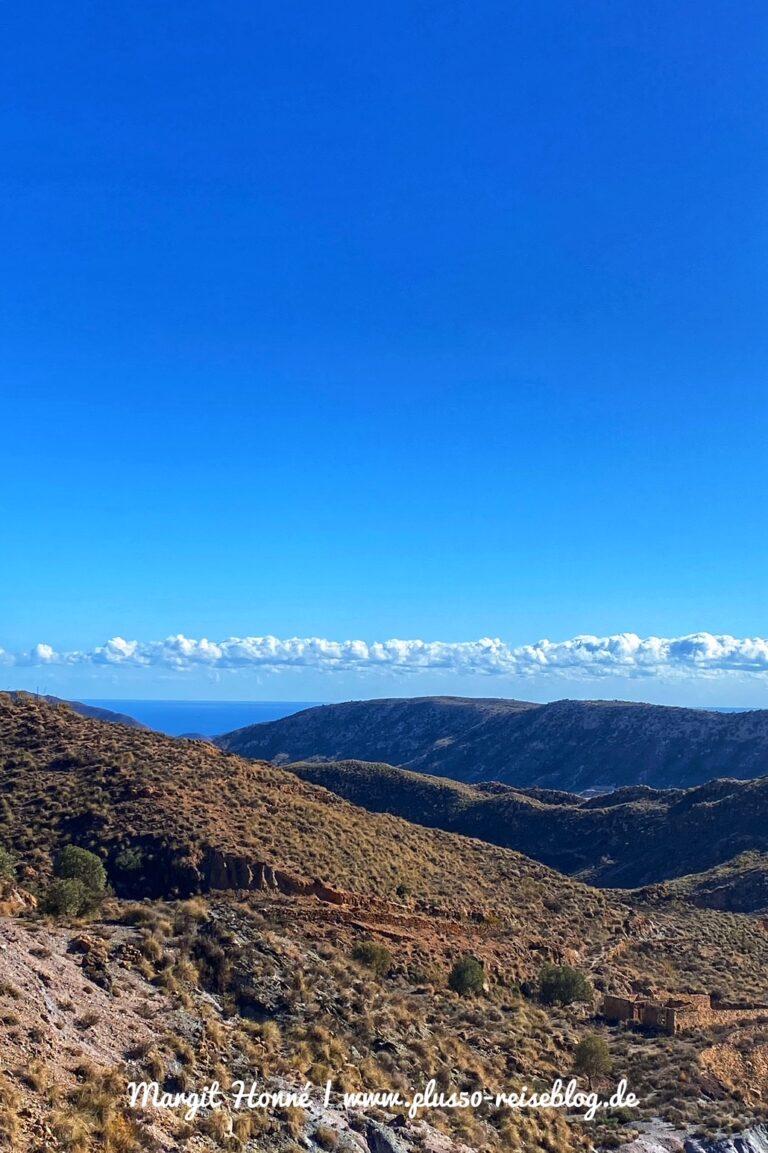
[{"x": 582, "y": 657}]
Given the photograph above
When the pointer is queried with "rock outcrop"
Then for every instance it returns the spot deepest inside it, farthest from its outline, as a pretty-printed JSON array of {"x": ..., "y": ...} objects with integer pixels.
[
  {"x": 221, "y": 870},
  {"x": 15, "y": 900}
]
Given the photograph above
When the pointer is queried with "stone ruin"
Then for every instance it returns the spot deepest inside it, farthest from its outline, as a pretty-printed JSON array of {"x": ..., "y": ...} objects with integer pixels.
[
  {"x": 667, "y": 1013},
  {"x": 674, "y": 1012}
]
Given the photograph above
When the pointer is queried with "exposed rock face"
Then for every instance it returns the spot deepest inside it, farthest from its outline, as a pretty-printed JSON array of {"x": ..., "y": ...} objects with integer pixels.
[
  {"x": 168, "y": 870},
  {"x": 660, "y": 1138},
  {"x": 15, "y": 900},
  {"x": 382, "y": 1139},
  {"x": 647, "y": 1143},
  {"x": 753, "y": 1141},
  {"x": 222, "y": 870},
  {"x": 228, "y": 871}
]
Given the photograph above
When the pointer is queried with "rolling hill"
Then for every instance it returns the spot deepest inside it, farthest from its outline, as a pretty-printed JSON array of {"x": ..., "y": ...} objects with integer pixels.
[
  {"x": 572, "y": 745},
  {"x": 172, "y": 818},
  {"x": 633, "y": 836},
  {"x": 196, "y": 818}
]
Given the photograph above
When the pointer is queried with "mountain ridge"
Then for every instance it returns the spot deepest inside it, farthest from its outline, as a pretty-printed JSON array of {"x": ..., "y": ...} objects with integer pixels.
[{"x": 574, "y": 746}]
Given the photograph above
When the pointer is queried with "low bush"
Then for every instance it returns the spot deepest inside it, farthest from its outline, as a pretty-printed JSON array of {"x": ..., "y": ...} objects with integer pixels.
[
  {"x": 81, "y": 865},
  {"x": 7, "y": 865},
  {"x": 129, "y": 860},
  {"x": 592, "y": 1057},
  {"x": 79, "y": 886},
  {"x": 562, "y": 985},
  {"x": 66, "y": 897},
  {"x": 373, "y": 956},
  {"x": 467, "y": 976}
]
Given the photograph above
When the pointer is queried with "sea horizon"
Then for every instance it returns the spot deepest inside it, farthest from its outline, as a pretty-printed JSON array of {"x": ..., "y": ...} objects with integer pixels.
[{"x": 204, "y": 718}]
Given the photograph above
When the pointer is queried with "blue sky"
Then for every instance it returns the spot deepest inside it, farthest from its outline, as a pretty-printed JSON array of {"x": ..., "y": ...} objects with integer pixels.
[{"x": 416, "y": 321}]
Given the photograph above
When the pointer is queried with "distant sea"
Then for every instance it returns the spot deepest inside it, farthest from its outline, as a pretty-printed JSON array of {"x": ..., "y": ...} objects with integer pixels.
[{"x": 205, "y": 718}]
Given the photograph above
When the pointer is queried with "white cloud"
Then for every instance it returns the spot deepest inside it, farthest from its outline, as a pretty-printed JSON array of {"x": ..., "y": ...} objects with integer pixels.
[{"x": 582, "y": 657}]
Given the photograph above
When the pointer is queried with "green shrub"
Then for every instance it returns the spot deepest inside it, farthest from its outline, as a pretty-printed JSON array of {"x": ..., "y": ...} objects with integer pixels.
[
  {"x": 7, "y": 865},
  {"x": 130, "y": 860},
  {"x": 81, "y": 865},
  {"x": 561, "y": 985},
  {"x": 374, "y": 956},
  {"x": 79, "y": 886},
  {"x": 592, "y": 1057},
  {"x": 66, "y": 897},
  {"x": 467, "y": 976}
]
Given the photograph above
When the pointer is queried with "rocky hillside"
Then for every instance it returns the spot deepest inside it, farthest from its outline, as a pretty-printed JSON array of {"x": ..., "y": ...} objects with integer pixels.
[
  {"x": 195, "y": 818},
  {"x": 277, "y": 989},
  {"x": 93, "y": 711},
  {"x": 264, "y": 927},
  {"x": 740, "y": 885},
  {"x": 572, "y": 745},
  {"x": 633, "y": 836}
]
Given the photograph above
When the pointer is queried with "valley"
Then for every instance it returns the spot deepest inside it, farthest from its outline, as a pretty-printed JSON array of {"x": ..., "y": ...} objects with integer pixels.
[{"x": 635, "y": 836}]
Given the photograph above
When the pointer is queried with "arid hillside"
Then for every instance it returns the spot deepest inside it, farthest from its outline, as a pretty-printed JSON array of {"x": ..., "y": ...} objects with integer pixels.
[
  {"x": 262, "y": 926},
  {"x": 175, "y": 818},
  {"x": 740, "y": 885},
  {"x": 633, "y": 836},
  {"x": 98, "y": 714},
  {"x": 571, "y": 745},
  {"x": 196, "y": 818}
]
